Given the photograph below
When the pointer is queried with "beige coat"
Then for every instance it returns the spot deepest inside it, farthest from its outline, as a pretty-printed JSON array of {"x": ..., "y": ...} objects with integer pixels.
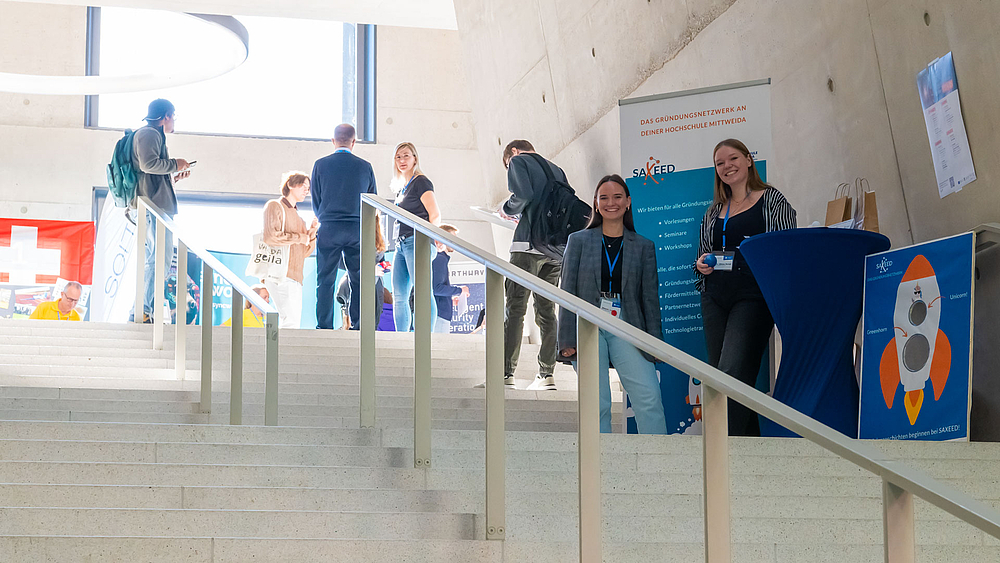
[{"x": 295, "y": 234}]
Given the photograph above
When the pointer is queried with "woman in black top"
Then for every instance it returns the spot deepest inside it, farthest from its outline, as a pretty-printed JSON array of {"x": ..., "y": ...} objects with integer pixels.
[
  {"x": 415, "y": 193},
  {"x": 611, "y": 266},
  {"x": 737, "y": 321}
]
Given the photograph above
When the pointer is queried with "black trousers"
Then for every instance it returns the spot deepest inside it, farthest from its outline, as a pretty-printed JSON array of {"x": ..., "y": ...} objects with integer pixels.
[
  {"x": 337, "y": 239},
  {"x": 738, "y": 328}
]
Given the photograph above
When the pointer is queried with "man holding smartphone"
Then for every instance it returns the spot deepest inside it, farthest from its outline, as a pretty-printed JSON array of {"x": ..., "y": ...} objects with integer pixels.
[{"x": 157, "y": 173}]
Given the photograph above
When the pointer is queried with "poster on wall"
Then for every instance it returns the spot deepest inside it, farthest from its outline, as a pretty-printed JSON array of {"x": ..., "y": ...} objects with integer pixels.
[
  {"x": 937, "y": 86},
  {"x": 916, "y": 370},
  {"x": 38, "y": 257},
  {"x": 667, "y": 161}
]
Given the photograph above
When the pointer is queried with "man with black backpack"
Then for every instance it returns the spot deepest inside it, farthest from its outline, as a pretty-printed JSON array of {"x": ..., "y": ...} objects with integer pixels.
[
  {"x": 548, "y": 212},
  {"x": 156, "y": 173}
]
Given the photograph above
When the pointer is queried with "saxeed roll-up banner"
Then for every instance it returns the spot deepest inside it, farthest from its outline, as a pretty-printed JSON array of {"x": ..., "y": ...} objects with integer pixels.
[{"x": 667, "y": 162}]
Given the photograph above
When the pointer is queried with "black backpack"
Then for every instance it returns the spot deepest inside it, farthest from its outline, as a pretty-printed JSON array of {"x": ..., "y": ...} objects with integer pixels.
[{"x": 554, "y": 214}]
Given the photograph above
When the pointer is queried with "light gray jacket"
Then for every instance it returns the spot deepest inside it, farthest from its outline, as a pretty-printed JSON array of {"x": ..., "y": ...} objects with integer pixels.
[
  {"x": 581, "y": 276},
  {"x": 155, "y": 167}
]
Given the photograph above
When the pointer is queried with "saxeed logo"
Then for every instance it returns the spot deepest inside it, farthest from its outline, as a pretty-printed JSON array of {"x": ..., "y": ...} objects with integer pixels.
[
  {"x": 884, "y": 265},
  {"x": 653, "y": 168}
]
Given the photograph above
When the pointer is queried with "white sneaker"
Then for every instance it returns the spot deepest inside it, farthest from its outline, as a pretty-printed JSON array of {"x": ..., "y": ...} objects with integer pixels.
[
  {"x": 542, "y": 383},
  {"x": 508, "y": 381}
]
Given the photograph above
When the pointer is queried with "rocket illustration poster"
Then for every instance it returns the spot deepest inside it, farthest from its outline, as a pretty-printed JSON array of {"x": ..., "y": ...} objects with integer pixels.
[{"x": 916, "y": 367}]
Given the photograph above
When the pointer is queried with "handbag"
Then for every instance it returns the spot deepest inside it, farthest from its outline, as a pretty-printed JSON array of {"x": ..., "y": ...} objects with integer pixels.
[{"x": 268, "y": 261}]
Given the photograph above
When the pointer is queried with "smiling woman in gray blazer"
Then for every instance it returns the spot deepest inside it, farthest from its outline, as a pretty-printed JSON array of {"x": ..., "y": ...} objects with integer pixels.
[{"x": 610, "y": 266}]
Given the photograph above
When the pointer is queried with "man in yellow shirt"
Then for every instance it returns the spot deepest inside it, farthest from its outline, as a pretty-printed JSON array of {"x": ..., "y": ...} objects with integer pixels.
[
  {"x": 252, "y": 316},
  {"x": 62, "y": 309}
]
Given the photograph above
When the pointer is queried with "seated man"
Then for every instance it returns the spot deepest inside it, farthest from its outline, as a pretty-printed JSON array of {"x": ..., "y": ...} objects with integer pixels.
[
  {"x": 252, "y": 316},
  {"x": 62, "y": 309}
]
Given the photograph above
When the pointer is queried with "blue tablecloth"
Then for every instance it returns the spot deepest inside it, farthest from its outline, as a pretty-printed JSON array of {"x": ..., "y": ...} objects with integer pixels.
[{"x": 813, "y": 282}]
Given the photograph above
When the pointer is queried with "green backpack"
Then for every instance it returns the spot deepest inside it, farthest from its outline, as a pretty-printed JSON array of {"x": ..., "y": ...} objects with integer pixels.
[{"x": 122, "y": 177}]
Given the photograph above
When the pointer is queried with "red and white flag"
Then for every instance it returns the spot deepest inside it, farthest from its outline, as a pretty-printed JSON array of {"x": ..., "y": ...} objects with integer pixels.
[{"x": 39, "y": 251}]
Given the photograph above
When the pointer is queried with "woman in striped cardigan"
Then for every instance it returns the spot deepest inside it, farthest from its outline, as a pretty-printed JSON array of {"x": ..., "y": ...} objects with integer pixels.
[{"x": 737, "y": 321}]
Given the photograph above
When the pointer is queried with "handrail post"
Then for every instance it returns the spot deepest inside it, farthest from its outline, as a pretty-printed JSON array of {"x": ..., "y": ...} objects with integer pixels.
[
  {"x": 271, "y": 369},
  {"x": 159, "y": 271},
  {"x": 898, "y": 524},
  {"x": 589, "y": 440},
  {"x": 422, "y": 323},
  {"x": 180, "y": 331},
  {"x": 368, "y": 312},
  {"x": 715, "y": 455},
  {"x": 207, "y": 314},
  {"x": 236, "y": 366},
  {"x": 140, "y": 261},
  {"x": 496, "y": 520}
]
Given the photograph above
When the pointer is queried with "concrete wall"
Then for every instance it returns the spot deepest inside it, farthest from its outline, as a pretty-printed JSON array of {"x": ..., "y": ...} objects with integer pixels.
[
  {"x": 49, "y": 162},
  {"x": 548, "y": 70},
  {"x": 869, "y": 125}
]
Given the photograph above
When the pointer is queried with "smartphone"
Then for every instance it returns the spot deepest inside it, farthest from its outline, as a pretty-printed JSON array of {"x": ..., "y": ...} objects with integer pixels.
[{"x": 192, "y": 163}]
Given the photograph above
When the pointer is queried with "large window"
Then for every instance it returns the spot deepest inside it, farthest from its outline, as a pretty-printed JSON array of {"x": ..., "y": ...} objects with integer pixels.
[{"x": 301, "y": 77}]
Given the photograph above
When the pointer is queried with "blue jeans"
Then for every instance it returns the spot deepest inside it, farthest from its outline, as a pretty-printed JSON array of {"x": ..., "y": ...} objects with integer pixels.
[
  {"x": 403, "y": 272},
  {"x": 150, "y": 273},
  {"x": 638, "y": 376}
]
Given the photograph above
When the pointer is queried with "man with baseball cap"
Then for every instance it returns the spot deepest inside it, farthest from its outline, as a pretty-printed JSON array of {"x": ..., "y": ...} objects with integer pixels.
[{"x": 157, "y": 173}]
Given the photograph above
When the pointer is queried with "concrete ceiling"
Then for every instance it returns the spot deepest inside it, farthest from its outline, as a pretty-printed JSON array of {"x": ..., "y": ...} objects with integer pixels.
[{"x": 434, "y": 14}]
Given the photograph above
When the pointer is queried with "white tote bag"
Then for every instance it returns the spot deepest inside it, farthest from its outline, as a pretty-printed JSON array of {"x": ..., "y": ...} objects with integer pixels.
[{"x": 268, "y": 261}]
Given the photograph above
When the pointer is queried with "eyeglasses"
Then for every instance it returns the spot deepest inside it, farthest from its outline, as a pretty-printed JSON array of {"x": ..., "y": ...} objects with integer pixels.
[{"x": 70, "y": 299}]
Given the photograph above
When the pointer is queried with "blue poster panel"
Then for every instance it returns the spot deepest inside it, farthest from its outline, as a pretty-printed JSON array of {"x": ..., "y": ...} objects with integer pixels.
[
  {"x": 916, "y": 368},
  {"x": 222, "y": 291}
]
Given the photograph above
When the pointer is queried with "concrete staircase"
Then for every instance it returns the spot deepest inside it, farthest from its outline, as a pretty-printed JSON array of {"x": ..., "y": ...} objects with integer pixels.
[{"x": 105, "y": 457}]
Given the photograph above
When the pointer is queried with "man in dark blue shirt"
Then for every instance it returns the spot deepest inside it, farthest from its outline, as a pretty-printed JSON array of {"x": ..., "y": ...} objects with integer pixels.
[{"x": 338, "y": 180}]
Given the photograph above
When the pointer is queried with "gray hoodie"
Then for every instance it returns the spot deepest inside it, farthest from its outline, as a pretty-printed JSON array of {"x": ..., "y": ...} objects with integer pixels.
[{"x": 155, "y": 168}]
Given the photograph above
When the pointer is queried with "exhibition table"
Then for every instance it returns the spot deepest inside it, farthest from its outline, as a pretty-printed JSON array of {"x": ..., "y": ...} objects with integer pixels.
[{"x": 813, "y": 282}]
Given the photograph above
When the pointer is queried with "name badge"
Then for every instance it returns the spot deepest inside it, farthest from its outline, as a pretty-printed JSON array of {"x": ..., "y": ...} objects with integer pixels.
[
  {"x": 724, "y": 261},
  {"x": 611, "y": 305}
]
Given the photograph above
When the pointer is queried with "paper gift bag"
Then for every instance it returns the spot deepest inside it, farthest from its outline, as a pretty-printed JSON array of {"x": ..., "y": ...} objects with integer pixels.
[
  {"x": 866, "y": 216},
  {"x": 841, "y": 208}
]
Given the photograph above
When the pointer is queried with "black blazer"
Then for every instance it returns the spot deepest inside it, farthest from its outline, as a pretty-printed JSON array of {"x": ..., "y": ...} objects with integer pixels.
[{"x": 581, "y": 276}]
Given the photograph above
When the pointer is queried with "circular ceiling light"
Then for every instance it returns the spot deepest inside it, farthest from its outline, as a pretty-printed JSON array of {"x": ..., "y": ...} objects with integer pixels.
[{"x": 207, "y": 68}]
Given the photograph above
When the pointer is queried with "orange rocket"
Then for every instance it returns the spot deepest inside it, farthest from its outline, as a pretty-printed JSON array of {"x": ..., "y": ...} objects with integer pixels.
[{"x": 919, "y": 349}]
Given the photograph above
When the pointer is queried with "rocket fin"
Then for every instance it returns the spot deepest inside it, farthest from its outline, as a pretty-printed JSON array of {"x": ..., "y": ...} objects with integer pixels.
[
  {"x": 888, "y": 370},
  {"x": 940, "y": 364}
]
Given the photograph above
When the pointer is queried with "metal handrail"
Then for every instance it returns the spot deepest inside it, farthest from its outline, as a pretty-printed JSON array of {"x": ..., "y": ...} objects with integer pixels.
[
  {"x": 900, "y": 482},
  {"x": 210, "y": 264},
  {"x": 208, "y": 258}
]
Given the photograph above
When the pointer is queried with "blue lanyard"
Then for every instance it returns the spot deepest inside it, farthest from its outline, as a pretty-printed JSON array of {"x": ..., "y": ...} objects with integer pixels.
[
  {"x": 611, "y": 265},
  {"x": 725, "y": 222},
  {"x": 342, "y": 149}
]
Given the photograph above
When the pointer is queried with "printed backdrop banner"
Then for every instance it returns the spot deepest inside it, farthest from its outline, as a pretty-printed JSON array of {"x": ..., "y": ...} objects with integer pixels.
[
  {"x": 222, "y": 291},
  {"x": 114, "y": 266},
  {"x": 473, "y": 276},
  {"x": 916, "y": 369},
  {"x": 667, "y": 160}
]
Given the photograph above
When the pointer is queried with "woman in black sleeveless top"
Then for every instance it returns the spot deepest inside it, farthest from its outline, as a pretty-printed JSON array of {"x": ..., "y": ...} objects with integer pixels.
[{"x": 737, "y": 321}]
